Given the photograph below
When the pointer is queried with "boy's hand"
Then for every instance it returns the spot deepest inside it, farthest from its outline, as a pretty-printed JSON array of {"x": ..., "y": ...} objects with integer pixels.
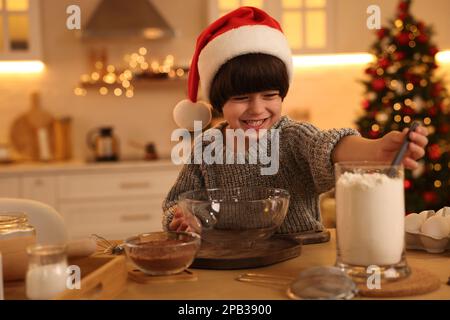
[
  {"x": 182, "y": 222},
  {"x": 390, "y": 144}
]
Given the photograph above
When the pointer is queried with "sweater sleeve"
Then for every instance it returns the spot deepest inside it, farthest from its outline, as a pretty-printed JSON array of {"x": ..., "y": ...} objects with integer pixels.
[
  {"x": 189, "y": 178},
  {"x": 316, "y": 146}
]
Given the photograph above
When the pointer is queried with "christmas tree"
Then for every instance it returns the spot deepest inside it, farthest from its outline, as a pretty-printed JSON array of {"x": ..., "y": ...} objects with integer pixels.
[{"x": 402, "y": 87}]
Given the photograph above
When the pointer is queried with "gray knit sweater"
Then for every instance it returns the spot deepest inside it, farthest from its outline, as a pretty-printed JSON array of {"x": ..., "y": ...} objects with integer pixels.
[{"x": 305, "y": 170}]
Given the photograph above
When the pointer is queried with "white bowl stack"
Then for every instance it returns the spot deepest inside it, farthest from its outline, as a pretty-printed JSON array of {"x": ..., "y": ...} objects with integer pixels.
[{"x": 428, "y": 230}]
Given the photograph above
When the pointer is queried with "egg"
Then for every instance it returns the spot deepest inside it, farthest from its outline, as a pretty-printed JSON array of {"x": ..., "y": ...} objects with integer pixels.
[
  {"x": 436, "y": 227},
  {"x": 427, "y": 213},
  {"x": 413, "y": 222},
  {"x": 445, "y": 212}
]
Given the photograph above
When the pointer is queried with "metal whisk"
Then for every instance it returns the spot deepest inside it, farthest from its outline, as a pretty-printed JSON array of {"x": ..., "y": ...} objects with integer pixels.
[{"x": 107, "y": 246}]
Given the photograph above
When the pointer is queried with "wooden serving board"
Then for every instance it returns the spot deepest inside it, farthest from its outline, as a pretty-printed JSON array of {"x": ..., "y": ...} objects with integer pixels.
[
  {"x": 262, "y": 253},
  {"x": 310, "y": 237},
  {"x": 102, "y": 278}
]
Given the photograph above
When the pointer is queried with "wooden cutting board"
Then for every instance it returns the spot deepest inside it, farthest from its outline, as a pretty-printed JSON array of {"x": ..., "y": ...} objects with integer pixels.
[
  {"x": 23, "y": 132},
  {"x": 262, "y": 253}
]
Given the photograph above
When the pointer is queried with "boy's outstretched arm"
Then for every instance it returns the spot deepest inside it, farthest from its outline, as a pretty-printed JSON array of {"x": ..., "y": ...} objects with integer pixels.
[{"x": 354, "y": 148}]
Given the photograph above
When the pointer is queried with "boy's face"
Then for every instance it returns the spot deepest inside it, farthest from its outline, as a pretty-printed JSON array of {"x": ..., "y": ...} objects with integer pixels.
[{"x": 257, "y": 111}]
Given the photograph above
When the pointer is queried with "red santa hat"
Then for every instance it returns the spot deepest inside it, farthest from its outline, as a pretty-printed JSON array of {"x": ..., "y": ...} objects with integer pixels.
[{"x": 242, "y": 31}]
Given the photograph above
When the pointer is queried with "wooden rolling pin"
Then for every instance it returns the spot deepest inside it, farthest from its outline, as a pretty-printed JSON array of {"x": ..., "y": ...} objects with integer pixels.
[{"x": 81, "y": 247}]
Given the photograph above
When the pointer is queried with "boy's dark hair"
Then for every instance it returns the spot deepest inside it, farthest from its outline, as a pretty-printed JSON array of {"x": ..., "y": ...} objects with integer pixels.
[{"x": 248, "y": 73}]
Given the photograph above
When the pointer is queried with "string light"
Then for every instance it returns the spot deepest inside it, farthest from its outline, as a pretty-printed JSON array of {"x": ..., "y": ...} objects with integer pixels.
[
  {"x": 107, "y": 76},
  {"x": 99, "y": 65},
  {"x": 110, "y": 78},
  {"x": 375, "y": 128},
  {"x": 142, "y": 51},
  {"x": 128, "y": 74},
  {"x": 380, "y": 71},
  {"x": 118, "y": 92},
  {"x": 427, "y": 121},
  {"x": 103, "y": 91},
  {"x": 80, "y": 91},
  {"x": 126, "y": 84},
  {"x": 397, "y": 106},
  {"x": 129, "y": 93},
  {"x": 437, "y": 167},
  {"x": 399, "y": 23},
  {"x": 398, "y": 118},
  {"x": 180, "y": 72},
  {"x": 408, "y": 102},
  {"x": 412, "y": 44},
  {"x": 407, "y": 119},
  {"x": 437, "y": 184},
  {"x": 423, "y": 83},
  {"x": 410, "y": 87},
  {"x": 95, "y": 76}
]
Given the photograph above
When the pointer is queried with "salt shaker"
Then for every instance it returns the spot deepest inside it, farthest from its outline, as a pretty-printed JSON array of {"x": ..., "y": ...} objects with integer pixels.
[{"x": 47, "y": 271}]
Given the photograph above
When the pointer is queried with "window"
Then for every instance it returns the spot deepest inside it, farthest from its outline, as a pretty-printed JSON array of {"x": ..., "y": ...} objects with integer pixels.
[
  {"x": 306, "y": 23},
  {"x": 19, "y": 30},
  {"x": 226, "y": 6}
]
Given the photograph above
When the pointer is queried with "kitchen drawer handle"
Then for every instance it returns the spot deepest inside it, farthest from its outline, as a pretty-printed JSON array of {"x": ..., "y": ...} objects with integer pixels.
[
  {"x": 134, "y": 185},
  {"x": 135, "y": 217}
]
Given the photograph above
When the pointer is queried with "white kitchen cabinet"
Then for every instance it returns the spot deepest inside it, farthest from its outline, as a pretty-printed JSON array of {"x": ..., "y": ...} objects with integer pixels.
[
  {"x": 10, "y": 187},
  {"x": 113, "y": 219},
  {"x": 113, "y": 200},
  {"x": 20, "y": 30},
  {"x": 97, "y": 185},
  {"x": 40, "y": 188}
]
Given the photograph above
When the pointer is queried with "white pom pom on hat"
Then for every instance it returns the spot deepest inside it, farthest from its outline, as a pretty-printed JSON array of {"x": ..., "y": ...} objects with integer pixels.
[
  {"x": 242, "y": 31},
  {"x": 186, "y": 112}
]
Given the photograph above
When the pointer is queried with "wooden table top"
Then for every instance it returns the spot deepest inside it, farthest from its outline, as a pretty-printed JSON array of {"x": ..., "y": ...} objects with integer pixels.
[{"x": 222, "y": 284}]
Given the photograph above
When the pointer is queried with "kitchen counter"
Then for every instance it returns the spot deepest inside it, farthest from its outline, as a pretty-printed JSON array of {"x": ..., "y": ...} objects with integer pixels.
[
  {"x": 221, "y": 284},
  {"x": 79, "y": 165}
]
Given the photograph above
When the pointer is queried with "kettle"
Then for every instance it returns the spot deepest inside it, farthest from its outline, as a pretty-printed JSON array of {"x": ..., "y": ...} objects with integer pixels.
[{"x": 104, "y": 144}]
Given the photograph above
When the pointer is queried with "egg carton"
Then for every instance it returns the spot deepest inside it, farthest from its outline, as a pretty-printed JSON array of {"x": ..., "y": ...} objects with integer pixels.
[{"x": 420, "y": 241}]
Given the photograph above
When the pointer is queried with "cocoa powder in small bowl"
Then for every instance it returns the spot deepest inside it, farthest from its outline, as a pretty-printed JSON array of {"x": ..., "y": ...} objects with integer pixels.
[{"x": 162, "y": 253}]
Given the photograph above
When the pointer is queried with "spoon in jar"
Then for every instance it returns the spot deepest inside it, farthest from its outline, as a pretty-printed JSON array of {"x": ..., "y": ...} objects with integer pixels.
[{"x": 401, "y": 153}]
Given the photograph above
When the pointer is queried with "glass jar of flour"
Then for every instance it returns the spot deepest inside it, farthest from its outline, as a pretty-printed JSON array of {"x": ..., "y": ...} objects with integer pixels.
[
  {"x": 16, "y": 234},
  {"x": 370, "y": 215},
  {"x": 47, "y": 271}
]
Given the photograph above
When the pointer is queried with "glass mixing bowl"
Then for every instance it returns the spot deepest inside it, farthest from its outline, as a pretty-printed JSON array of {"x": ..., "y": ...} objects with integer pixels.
[
  {"x": 236, "y": 216},
  {"x": 162, "y": 252}
]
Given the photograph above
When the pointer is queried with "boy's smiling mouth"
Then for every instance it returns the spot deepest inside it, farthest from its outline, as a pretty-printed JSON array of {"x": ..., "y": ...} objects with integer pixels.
[{"x": 255, "y": 123}]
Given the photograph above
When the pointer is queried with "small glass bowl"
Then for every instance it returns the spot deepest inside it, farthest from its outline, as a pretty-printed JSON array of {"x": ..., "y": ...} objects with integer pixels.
[{"x": 163, "y": 252}]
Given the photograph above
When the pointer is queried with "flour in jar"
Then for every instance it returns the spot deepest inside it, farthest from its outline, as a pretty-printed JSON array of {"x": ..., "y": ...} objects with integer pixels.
[{"x": 370, "y": 212}]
